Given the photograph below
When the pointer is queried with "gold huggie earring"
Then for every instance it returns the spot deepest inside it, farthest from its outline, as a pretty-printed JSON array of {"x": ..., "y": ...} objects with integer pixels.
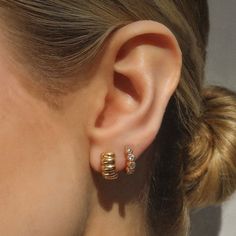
[
  {"x": 108, "y": 166},
  {"x": 130, "y": 160}
]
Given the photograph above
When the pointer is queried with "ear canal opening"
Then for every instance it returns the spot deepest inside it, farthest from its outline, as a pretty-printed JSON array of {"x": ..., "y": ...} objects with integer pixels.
[{"x": 122, "y": 83}]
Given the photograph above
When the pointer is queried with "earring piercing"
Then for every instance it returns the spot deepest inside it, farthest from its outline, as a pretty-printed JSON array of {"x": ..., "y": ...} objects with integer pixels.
[
  {"x": 108, "y": 166},
  {"x": 130, "y": 160}
]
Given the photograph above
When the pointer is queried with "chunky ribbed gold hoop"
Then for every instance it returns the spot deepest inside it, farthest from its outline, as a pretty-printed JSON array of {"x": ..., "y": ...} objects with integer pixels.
[
  {"x": 108, "y": 165},
  {"x": 130, "y": 160}
]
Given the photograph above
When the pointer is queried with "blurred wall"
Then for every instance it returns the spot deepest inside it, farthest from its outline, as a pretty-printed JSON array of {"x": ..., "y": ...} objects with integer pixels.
[
  {"x": 221, "y": 66},
  {"x": 221, "y": 70}
]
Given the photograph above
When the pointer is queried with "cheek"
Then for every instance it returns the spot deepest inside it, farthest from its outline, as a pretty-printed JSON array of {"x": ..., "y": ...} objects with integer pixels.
[{"x": 43, "y": 182}]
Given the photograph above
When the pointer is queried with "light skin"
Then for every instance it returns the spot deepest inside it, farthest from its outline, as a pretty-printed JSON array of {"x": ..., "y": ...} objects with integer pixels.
[{"x": 50, "y": 176}]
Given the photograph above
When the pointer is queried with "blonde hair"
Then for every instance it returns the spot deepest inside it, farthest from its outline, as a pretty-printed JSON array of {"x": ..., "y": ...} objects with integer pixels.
[{"x": 196, "y": 161}]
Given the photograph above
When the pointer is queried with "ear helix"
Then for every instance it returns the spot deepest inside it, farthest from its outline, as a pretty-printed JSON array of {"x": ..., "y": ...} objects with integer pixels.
[{"x": 108, "y": 163}]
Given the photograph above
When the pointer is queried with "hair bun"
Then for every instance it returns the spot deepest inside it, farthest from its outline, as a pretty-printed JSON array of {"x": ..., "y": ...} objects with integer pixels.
[{"x": 210, "y": 164}]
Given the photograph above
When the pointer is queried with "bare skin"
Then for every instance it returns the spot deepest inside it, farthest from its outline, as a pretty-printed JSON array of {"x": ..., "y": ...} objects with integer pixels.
[{"x": 50, "y": 182}]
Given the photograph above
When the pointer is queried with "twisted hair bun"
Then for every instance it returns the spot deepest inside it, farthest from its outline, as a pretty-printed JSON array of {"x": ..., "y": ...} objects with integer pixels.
[{"x": 210, "y": 165}]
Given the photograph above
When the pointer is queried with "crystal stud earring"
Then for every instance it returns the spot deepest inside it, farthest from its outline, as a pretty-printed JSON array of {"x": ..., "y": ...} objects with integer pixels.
[{"x": 130, "y": 160}]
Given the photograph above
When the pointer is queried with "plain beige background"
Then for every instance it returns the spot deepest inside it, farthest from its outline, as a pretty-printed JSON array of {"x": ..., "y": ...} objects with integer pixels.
[{"x": 221, "y": 70}]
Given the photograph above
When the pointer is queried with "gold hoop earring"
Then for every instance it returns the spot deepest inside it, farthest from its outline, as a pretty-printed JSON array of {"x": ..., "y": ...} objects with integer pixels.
[
  {"x": 108, "y": 166},
  {"x": 130, "y": 160}
]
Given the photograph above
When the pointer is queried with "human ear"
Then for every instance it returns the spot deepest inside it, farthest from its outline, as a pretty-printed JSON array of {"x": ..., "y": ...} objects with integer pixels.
[{"x": 138, "y": 73}]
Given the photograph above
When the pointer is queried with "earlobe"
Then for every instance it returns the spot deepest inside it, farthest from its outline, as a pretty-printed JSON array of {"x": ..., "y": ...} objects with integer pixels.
[{"x": 143, "y": 64}]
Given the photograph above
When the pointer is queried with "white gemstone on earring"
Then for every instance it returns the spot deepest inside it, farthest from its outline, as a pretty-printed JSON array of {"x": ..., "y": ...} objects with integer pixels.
[
  {"x": 132, "y": 165},
  {"x": 129, "y": 150},
  {"x": 131, "y": 157}
]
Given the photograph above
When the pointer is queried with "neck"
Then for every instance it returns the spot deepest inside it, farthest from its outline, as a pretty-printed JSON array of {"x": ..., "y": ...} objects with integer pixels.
[
  {"x": 119, "y": 207},
  {"x": 118, "y": 220}
]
